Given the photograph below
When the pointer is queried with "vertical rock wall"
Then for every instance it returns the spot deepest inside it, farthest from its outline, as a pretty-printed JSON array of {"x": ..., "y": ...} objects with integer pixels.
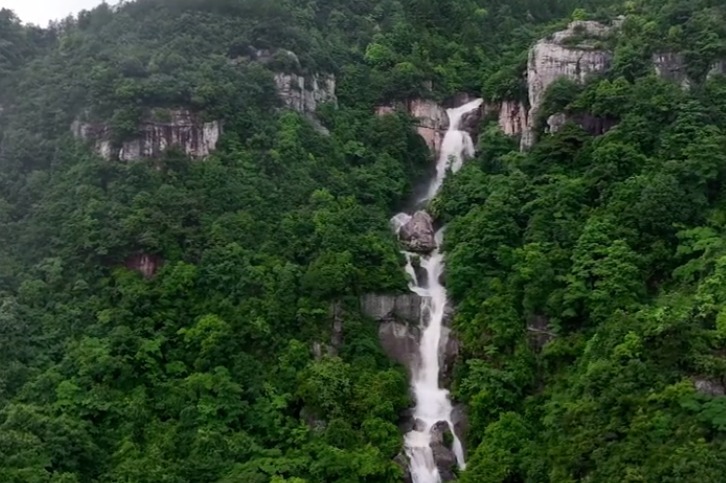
[
  {"x": 179, "y": 128},
  {"x": 572, "y": 54}
]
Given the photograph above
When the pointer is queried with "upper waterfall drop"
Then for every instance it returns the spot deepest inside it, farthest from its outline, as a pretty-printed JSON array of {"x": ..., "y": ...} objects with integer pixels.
[
  {"x": 455, "y": 147},
  {"x": 433, "y": 405}
]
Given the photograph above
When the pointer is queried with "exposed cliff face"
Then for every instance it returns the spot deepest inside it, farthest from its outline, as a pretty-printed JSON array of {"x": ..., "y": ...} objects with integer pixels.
[
  {"x": 563, "y": 54},
  {"x": 144, "y": 263},
  {"x": 301, "y": 93},
  {"x": 671, "y": 66},
  {"x": 431, "y": 119},
  {"x": 305, "y": 94},
  {"x": 178, "y": 128},
  {"x": 387, "y": 308},
  {"x": 513, "y": 117}
]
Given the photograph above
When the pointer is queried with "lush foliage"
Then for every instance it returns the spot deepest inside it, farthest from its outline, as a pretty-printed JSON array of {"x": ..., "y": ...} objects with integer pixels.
[{"x": 587, "y": 273}]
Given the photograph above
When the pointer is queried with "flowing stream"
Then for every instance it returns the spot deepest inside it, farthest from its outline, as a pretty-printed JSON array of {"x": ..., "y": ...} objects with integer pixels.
[{"x": 432, "y": 402}]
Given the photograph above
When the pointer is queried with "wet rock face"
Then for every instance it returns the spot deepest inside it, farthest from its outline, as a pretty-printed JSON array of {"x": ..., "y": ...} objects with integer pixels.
[
  {"x": 460, "y": 420},
  {"x": 448, "y": 353},
  {"x": 402, "y": 461},
  {"x": 390, "y": 308},
  {"x": 471, "y": 120},
  {"x": 159, "y": 131},
  {"x": 443, "y": 455},
  {"x": 418, "y": 233},
  {"x": 570, "y": 54}
]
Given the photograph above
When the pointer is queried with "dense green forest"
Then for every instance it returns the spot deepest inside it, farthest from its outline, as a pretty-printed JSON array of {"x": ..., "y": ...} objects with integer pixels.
[{"x": 586, "y": 272}]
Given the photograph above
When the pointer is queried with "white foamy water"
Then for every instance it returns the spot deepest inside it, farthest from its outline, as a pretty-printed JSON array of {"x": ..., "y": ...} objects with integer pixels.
[{"x": 432, "y": 402}]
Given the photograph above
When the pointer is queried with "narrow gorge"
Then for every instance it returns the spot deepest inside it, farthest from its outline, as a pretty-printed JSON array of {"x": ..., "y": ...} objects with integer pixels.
[{"x": 433, "y": 410}]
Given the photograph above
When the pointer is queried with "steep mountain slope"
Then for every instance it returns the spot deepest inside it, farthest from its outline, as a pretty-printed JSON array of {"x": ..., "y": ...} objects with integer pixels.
[{"x": 194, "y": 200}]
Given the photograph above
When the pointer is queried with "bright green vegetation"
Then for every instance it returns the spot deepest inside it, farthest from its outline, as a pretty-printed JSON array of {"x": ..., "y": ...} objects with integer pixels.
[{"x": 612, "y": 248}]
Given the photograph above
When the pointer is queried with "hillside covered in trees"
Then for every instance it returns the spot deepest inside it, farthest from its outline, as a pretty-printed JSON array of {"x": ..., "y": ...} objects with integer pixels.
[{"x": 196, "y": 194}]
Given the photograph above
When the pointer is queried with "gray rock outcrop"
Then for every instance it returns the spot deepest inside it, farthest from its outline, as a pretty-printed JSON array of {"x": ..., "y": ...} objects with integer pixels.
[
  {"x": 389, "y": 308},
  {"x": 160, "y": 130},
  {"x": 418, "y": 234},
  {"x": 709, "y": 387},
  {"x": 572, "y": 54},
  {"x": 304, "y": 94},
  {"x": 556, "y": 122},
  {"x": 671, "y": 66},
  {"x": 460, "y": 420},
  {"x": 449, "y": 347},
  {"x": 512, "y": 117}
]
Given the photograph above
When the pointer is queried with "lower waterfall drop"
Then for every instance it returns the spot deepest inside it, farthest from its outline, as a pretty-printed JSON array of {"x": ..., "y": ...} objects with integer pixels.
[{"x": 432, "y": 402}]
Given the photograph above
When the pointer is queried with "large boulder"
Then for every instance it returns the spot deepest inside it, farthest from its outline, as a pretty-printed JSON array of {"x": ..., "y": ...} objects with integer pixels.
[
  {"x": 443, "y": 455},
  {"x": 418, "y": 233}
]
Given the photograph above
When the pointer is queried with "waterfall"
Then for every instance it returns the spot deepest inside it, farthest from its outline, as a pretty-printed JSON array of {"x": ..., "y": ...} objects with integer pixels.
[{"x": 432, "y": 402}]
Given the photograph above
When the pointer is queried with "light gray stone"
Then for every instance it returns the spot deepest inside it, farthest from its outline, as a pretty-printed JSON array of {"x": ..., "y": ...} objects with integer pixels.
[
  {"x": 387, "y": 308},
  {"x": 431, "y": 119},
  {"x": 449, "y": 347},
  {"x": 558, "y": 57},
  {"x": 512, "y": 117},
  {"x": 709, "y": 387},
  {"x": 717, "y": 68},
  {"x": 160, "y": 130},
  {"x": 671, "y": 66},
  {"x": 304, "y": 94},
  {"x": 400, "y": 342}
]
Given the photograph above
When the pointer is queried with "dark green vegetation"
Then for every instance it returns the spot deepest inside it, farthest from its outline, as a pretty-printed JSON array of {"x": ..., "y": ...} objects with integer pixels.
[{"x": 612, "y": 247}]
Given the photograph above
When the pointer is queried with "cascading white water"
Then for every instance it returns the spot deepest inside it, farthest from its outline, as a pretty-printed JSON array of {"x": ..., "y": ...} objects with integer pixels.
[{"x": 432, "y": 402}]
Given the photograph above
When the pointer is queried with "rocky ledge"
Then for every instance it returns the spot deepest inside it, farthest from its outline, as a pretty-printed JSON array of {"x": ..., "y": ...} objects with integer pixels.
[{"x": 160, "y": 130}]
